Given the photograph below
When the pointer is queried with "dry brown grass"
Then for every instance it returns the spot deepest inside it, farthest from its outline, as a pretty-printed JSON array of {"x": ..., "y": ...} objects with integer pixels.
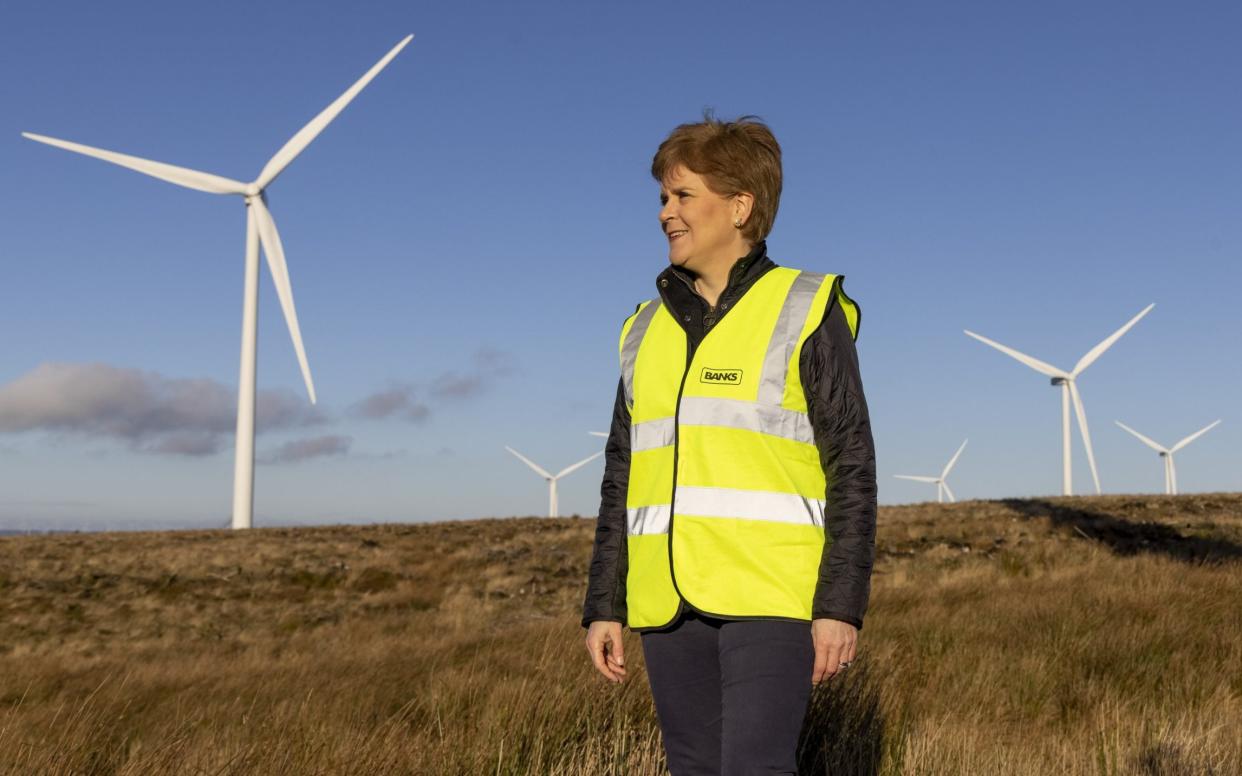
[{"x": 1085, "y": 635}]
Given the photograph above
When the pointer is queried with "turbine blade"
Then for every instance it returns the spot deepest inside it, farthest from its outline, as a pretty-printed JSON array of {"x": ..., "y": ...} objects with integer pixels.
[
  {"x": 275, "y": 254},
  {"x": 1033, "y": 363},
  {"x": 948, "y": 492},
  {"x": 598, "y": 434},
  {"x": 579, "y": 464},
  {"x": 1095, "y": 352},
  {"x": 953, "y": 460},
  {"x": 1149, "y": 442},
  {"x": 192, "y": 179},
  {"x": 1086, "y": 435},
  {"x": 296, "y": 144},
  {"x": 1193, "y": 437},
  {"x": 916, "y": 478},
  {"x": 530, "y": 463}
]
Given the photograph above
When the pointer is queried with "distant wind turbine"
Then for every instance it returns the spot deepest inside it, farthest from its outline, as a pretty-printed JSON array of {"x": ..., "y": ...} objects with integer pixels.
[
  {"x": 552, "y": 478},
  {"x": 1170, "y": 472},
  {"x": 942, "y": 487},
  {"x": 260, "y": 228},
  {"x": 1069, "y": 392}
]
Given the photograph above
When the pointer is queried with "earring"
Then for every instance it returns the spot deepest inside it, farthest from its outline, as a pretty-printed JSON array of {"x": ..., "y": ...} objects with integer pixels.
[{"x": 738, "y": 223}]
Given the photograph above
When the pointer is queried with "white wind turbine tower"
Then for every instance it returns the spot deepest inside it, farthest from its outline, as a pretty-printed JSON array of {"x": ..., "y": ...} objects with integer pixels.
[
  {"x": 260, "y": 228},
  {"x": 1069, "y": 392},
  {"x": 552, "y": 478},
  {"x": 942, "y": 487},
  {"x": 1170, "y": 472}
]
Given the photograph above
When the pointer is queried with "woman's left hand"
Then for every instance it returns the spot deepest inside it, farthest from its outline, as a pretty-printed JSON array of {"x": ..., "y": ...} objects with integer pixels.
[{"x": 835, "y": 642}]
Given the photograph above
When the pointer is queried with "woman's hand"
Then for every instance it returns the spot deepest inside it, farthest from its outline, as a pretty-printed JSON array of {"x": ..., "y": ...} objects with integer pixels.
[
  {"x": 835, "y": 642},
  {"x": 603, "y": 641}
]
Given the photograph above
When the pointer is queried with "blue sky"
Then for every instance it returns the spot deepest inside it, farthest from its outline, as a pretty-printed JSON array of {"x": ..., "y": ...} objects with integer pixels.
[{"x": 466, "y": 238}]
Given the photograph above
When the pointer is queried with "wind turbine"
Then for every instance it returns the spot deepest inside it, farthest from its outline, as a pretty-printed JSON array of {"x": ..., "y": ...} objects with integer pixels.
[
  {"x": 260, "y": 228},
  {"x": 552, "y": 478},
  {"x": 1170, "y": 472},
  {"x": 1069, "y": 391},
  {"x": 942, "y": 487}
]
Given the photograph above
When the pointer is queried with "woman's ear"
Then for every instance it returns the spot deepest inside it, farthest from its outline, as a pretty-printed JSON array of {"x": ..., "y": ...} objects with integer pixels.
[{"x": 743, "y": 203}]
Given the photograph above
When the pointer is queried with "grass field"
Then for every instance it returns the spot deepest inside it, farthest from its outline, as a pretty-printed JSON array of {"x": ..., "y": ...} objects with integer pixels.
[{"x": 1083, "y": 635}]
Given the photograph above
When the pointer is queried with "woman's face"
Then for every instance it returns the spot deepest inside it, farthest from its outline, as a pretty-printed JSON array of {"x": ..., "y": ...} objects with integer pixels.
[{"x": 697, "y": 221}]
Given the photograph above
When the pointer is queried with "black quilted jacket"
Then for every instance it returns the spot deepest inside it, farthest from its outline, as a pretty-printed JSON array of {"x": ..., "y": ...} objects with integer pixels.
[{"x": 838, "y": 414}]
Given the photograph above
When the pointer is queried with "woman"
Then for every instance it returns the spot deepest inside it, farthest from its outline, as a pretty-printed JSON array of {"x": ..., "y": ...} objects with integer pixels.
[{"x": 737, "y": 522}]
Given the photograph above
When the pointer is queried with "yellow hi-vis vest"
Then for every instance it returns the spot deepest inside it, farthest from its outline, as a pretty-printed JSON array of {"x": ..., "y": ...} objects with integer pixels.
[{"x": 725, "y": 505}]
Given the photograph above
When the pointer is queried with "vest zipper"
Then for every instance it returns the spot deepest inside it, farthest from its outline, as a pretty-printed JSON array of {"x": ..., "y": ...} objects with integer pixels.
[{"x": 672, "y": 499}]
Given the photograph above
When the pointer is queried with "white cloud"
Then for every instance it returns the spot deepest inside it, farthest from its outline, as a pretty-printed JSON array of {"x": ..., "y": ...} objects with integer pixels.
[
  {"x": 402, "y": 399},
  {"x": 147, "y": 411},
  {"x": 311, "y": 447}
]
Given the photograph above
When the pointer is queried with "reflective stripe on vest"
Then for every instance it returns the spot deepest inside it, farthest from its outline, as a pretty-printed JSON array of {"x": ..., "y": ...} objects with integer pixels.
[
  {"x": 734, "y": 413},
  {"x": 739, "y": 529},
  {"x": 631, "y": 336},
  {"x": 725, "y": 502}
]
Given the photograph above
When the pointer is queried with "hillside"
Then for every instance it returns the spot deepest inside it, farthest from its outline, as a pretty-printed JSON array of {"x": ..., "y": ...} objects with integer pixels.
[{"x": 1079, "y": 635}]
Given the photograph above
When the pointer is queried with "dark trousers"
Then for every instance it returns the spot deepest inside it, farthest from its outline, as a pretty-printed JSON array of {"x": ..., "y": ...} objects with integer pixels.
[{"x": 730, "y": 695}]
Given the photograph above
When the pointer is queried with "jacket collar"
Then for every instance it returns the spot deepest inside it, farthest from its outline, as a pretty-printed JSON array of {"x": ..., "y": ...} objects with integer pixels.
[{"x": 744, "y": 272}]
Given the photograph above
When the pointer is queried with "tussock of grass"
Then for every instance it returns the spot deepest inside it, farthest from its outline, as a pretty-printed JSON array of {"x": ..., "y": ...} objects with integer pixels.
[{"x": 1085, "y": 635}]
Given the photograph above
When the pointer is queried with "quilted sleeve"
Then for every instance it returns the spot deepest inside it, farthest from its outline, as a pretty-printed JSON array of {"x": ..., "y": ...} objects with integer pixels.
[
  {"x": 605, "y": 596},
  {"x": 842, "y": 426}
]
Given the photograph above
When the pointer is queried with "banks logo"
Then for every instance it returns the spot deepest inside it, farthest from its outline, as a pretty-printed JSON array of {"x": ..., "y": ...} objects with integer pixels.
[{"x": 721, "y": 376}]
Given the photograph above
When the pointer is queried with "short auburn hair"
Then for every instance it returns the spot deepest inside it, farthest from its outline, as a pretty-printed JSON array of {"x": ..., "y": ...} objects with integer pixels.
[{"x": 733, "y": 157}]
